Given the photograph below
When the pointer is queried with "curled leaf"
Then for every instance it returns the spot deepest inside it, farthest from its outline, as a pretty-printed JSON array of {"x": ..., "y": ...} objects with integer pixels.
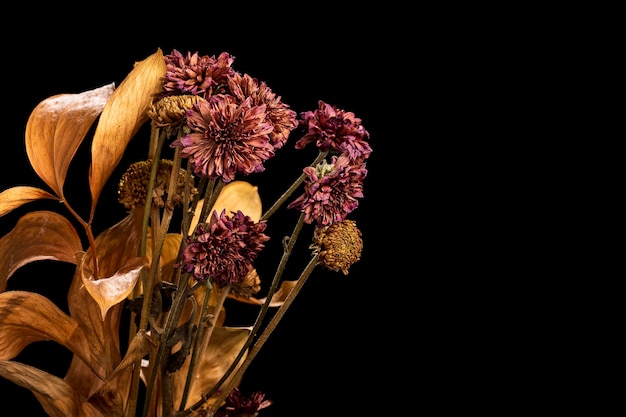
[
  {"x": 121, "y": 118},
  {"x": 15, "y": 197},
  {"x": 55, "y": 395},
  {"x": 57, "y": 127},
  {"x": 236, "y": 195},
  {"x": 108, "y": 292},
  {"x": 29, "y": 317},
  {"x": 279, "y": 297},
  {"x": 37, "y": 236}
]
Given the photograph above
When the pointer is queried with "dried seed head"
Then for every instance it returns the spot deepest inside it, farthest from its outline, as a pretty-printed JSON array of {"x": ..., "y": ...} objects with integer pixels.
[
  {"x": 338, "y": 245},
  {"x": 169, "y": 112},
  {"x": 133, "y": 186}
]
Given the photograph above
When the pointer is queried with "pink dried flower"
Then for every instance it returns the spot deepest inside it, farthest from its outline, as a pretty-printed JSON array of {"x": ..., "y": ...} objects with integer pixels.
[
  {"x": 335, "y": 130},
  {"x": 224, "y": 249},
  {"x": 227, "y": 138},
  {"x": 331, "y": 191}
]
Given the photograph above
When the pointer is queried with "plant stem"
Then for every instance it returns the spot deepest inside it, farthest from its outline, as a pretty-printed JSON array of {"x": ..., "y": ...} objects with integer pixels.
[
  {"x": 292, "y": 188},
  {"x": 269, "y": 328}
]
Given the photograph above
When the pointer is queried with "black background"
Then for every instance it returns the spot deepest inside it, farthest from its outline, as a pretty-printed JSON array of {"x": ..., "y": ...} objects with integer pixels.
[{"x": 325, "y": 358}]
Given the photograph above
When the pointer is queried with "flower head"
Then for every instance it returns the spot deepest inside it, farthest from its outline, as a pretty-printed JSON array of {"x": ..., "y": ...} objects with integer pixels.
[
  {"x": 283, "y": 119},
  {"x": 196, "y": 75},
  {"x": 133, "y": 187},
  {"x": 224, "y": 249},
  {"x": 331, "y": 191},
  {"x": 169, "y": 112},
  {"x": 227, "y": 138},
  {"x": 338, "y": 245},
  {"x": 335, "y": 130},
  {"x": 238, "y": 405}
]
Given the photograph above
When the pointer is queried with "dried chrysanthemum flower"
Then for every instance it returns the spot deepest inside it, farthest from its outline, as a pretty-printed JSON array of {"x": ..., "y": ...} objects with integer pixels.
[
  {"x": 238, "y": 405},
  {"x": 282, "y": 118},
  {"x": 331, "y": 191},
  {"x": 335, "y": 130},
  {"x": 227, "y": 138},
  {"x": 169, "y": 112},
  {"x": 196, "y": 75},
  {"x": 338, "y": 245},
  {"x": 133, "y": 187},
  {"x": 224, "y": 249}
]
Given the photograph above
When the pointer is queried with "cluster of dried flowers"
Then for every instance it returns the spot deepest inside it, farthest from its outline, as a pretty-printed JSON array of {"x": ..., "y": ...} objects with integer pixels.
[{"x": 210, "y": 127}]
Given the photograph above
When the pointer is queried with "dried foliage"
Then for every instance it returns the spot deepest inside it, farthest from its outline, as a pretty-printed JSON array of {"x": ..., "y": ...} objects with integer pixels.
[{"x": 162, "y": 273}]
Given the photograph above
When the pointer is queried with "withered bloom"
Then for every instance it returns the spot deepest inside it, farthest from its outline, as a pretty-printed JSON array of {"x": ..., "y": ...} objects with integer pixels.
[
  {"x": 335, "y": 130},
  {"x": 224, "y": 249},
  {"x": 238, "y": 405},
  {"x": 133, "y": 187},
  {"x": 227, "y": 138},
  {"x": 169, "y": 112},
  {"x": 331, "y": 191},
  {"x": 282, "y": 118},
  {"x": 338, "y": 245},
  {"x": 196, "y": 75}
]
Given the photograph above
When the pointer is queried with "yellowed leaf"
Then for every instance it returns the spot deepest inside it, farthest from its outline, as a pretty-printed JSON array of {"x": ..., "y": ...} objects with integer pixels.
[
  {"x": 109, "y": 291},
  {"x": 38, "y": 235},
  {"x": 108, "y": 398},
  {"x": 123, "y": 115},
  {"x": 55, "y": 395},
  {"x": 30, "y": 317},
  {"x": 223, "y": 348},
  {"x": 278, "y": 298},
  {"x": 236, "y": 195},
  {"x": 56, "y": 128},
  {"x": 15, "y": 197}
]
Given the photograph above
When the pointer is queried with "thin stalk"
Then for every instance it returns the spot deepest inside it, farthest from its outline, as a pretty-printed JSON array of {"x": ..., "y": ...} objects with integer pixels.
[
  {"x": 131, "y": 409},
  {"x": 202, "y": 341},
  {"x": 269, "y": 329},
  {"x": 293, "y": 187},
  {"x": 287, "y": 248}
]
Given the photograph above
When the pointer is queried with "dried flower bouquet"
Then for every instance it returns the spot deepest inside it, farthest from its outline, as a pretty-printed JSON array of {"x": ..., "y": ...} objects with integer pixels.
[{"x": 193, "y": 232}]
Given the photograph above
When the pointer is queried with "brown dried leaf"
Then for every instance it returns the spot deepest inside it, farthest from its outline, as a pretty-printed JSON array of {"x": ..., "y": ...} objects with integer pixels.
[
  {"x": 116, "y": 246},
  {"x": 223, "y": 348},
  {"x": 278, "y": 298},
  {"x": 36, "y": 236},
  {"x": 15, "y": 197},
  {"x": 236, "y": 195},
  {"x": 57, "y": 127},
  {"x": 55, "y": 395},
  {"x": 122, "y": 117},
  {"x": 109, "y": 291},
  {"x": 29, "y": 317},
  {"x": 107, "y": 399}
]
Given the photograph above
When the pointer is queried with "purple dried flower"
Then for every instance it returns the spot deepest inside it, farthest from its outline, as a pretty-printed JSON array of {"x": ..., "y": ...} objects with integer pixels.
[
  {"x": 331, "y": 191},
  {"x": 227, "y": 138},
  {"x": 335, "y": 130},
  {"x": 224, "y": 249}
]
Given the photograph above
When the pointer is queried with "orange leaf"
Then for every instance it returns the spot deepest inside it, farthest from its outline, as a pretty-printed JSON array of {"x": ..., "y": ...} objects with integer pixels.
[
  {"x": 36, "y": 236},
  {"x": 15, "y": 197},
  {"x": 122, "y": 117},
  {"x": 223, "y": 348},
  {"x": 279, "y": 297},
  {"x": 57, "y": 127},
  {"x": 30, "y": 317},
  {"x": 55, "y": 395},
  {"x": 109, "y": 291}
]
